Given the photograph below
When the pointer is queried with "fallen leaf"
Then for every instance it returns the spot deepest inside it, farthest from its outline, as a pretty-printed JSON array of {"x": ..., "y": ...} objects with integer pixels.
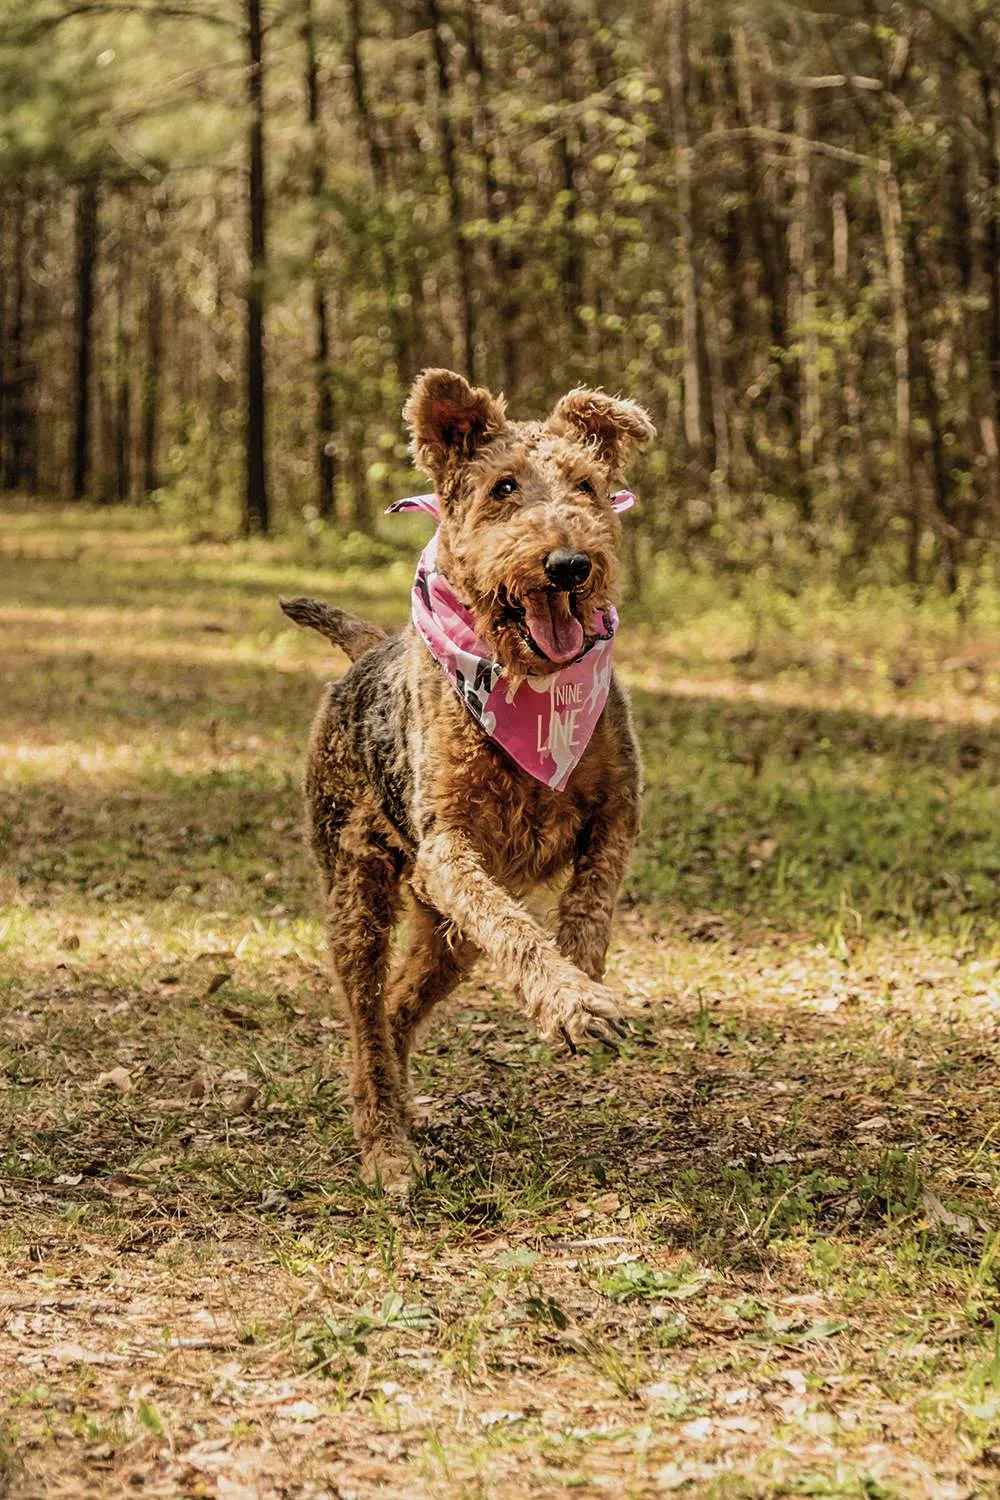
[
  {"x": 943, "y": 1218},
  {"x": 877, "y": 1122},
  {"x": 499, "y": 1418},
  {"x": 217, "y": 981},
  {"x": 662, "y": 1390},
  {"x": 118, "y": 1078},
  {"x": 300, "y": 1411},
  {"x": 240, "y": 1018}
]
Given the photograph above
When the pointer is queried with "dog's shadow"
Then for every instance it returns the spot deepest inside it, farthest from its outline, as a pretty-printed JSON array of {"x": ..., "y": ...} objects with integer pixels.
[{"x": 696, "y": 1151}]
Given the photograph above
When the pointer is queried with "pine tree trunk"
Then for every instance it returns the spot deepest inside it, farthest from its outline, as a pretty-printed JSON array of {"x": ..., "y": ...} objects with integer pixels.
[
  {"x": 572, "y": 260},
  {"x": 16, "y": 374},
  {"x": 123, "y": 357},
  {"x": 398, "y": 328},
  {"x": 991, "y": 108},
  {"x": 256, "y": 515},
  {"x": 4, "y": 215},
  {"x": 678, "y": 68},
  {"x": 85, "y": 260},
  {"x": 502, "y": 267},
  {"x": 153, "y": 363},
  {"x": 325, "y": 460},
  {"x": 36, "y": 317},
  {"x": 802, "y": 308},
  {"x": 449, "y": 160},
  {"x": 890, "y": 214}
]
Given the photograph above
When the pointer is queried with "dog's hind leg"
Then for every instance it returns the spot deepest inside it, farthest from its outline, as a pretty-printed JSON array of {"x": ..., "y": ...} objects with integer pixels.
[
  {"x": 362, "y": 899},
  {"x": 435, "y": 960}
]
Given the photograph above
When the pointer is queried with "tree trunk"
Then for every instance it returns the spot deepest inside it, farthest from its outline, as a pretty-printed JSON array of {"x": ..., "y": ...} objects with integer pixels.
[
  {"x": 36, "y": 320},
  {"x": 123, "y": 373},
  {"x": 4, "y": 214},
  {"x": 572, "y": 266},
  {"x": 16, "y": 375},
  {"x": 890, "y": 214},
  {"x": 678, "y": 67},
  {"x": 802, "y": 308},
  {"x": 502, "y": 264},
  {"x": 948, "y": 528},
  {"x": 85, "y": 259},
  {"x": 153, "y": 364},
  {"x": 325, "y": 460},
  {"x": 990, "y": 110},
  {"x": 401, "y": 341},
  {"x": 256, "y": 515},
  {"x": 449, "y": 160}
]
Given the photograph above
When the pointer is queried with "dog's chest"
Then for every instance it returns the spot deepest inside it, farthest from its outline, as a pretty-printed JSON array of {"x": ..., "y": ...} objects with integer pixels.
[
  {"x": 523, "y": 831},
  {"x": 530, "y": 832}
]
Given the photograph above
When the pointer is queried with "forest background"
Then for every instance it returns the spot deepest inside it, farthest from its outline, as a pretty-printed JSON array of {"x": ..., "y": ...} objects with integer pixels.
[{"x": 231, "y": 234}]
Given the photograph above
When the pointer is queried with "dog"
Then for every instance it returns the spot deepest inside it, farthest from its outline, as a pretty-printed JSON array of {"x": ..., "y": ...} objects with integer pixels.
[{"x": 485, "y": 750}]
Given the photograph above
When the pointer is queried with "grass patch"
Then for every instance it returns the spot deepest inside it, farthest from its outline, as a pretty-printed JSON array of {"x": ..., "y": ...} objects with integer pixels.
[{"x": 754, "y": 1253}]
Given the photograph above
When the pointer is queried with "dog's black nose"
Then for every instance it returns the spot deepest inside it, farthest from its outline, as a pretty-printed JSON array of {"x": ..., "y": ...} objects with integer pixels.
[{"x": 566, "y": 569}]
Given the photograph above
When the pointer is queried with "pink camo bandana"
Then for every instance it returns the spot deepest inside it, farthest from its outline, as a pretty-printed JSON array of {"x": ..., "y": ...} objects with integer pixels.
[{"x": 545, "y": 723}]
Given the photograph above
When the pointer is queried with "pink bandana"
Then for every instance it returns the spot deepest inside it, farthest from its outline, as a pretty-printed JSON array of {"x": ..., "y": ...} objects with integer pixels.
[{"x": 545, "y": 723}]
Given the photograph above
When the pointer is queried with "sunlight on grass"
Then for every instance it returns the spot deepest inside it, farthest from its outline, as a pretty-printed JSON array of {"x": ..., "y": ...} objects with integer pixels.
[{"x": 752, "y": 1251}]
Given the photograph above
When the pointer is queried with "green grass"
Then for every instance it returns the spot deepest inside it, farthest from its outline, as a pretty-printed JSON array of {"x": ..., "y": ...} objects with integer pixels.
[{"x": 754, "y": 1253}]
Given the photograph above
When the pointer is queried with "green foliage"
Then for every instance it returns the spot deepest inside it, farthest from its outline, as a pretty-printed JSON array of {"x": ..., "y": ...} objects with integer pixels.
[
  {"x": 634, "y": 1278},
  {"x": 560, "y": 194}
]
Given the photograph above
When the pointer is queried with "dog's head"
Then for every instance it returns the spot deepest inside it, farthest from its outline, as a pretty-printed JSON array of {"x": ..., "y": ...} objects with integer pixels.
[{"x": 528, "y": 537}]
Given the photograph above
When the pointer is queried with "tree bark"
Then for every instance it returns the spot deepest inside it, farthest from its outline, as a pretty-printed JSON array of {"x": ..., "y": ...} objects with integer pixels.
[
  {"x": 890, "y": 214},
  {"x": 572, "y": 259},
  {"x": 503, "y": 266},
  {"x": 802, "y": 308},
  {"x": 15, "y": 376},
  {"x": 948, "y": 529},
  {"x": 678, "y": 67},
  {"x": 398, "y": 326},
  {"x": 449, "y": 160},
  {"x": 990, "y": 111},
  {"x": 257, "y": 513},
  {"x": 123, "y": 372},
  {"x": 36, "y": 321},
  {"x": 86, "y": 261},
  {"x": 325, "y": 459},
  {"x": 153, "y": 363}
]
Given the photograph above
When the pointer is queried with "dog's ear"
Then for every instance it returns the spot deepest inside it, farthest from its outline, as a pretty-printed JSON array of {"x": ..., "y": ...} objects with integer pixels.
[
  {"x": 450, "y": 419},
  {"x": 612, "y": 425}
]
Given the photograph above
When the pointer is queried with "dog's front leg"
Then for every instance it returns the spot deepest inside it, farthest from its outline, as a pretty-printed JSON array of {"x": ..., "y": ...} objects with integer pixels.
[
  {"x": 449, "y": 875},
  {"x": 587, "y": 906}
]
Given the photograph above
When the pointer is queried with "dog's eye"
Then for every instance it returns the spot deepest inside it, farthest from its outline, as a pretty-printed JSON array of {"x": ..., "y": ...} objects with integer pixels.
[
  {"x": 585, "y": 487},
  {"x": 504, "y": 488}
]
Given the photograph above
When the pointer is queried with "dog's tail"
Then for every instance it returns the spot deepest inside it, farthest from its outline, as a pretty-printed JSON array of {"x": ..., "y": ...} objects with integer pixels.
[{"x": 349, "y": 632}]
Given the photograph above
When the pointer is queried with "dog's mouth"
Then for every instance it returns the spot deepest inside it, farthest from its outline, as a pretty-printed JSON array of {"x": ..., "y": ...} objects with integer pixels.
[{"x": 548, "y": 621}]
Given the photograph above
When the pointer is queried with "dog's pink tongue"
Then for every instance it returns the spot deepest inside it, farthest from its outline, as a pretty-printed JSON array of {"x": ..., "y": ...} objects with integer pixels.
[{"x": 554, "y": 627}]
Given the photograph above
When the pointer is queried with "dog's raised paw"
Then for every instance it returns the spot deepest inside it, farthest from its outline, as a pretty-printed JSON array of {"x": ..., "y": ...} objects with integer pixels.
[{"x": 581, "y": 1011}]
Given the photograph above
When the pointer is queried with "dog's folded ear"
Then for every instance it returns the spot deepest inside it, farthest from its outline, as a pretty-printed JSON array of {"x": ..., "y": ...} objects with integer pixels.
[
  {"x": 450, "y": 419},
  {"x": 612, "y": 425}
]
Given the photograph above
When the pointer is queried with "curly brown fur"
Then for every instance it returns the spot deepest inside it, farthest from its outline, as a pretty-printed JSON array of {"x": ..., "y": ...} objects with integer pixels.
[{"x": 409, "y": 800}]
